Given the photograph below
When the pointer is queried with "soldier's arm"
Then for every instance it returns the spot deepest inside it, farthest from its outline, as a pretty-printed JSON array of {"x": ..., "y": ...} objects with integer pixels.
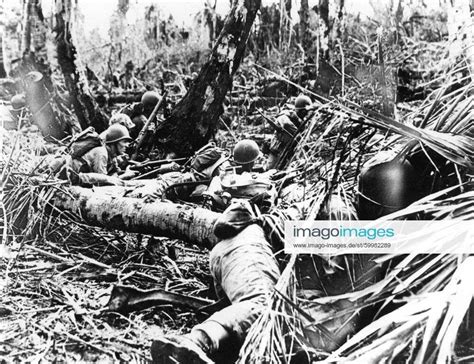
[
  {"x": 99, "y": 179},
  {"x": 98, "y": 160}
]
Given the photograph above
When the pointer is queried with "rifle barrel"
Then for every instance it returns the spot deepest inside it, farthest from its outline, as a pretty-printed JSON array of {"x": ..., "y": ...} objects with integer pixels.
[
  {"x": 275, "y": 125},
  {"x": 141, "y": 136}
]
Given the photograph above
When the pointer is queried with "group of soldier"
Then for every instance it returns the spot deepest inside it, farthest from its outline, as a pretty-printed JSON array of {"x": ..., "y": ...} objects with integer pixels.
[
  {"x": 242, "y": 263},
  {"x": 109, "y": 153}
]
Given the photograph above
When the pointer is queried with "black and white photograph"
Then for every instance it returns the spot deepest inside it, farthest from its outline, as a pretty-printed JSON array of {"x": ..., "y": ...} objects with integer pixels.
[{"x": 237, "y": 181}]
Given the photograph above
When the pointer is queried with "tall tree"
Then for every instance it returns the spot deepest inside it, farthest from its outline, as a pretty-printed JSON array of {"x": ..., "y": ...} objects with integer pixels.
[
  {"x": 3, "y": 72},
  {"x": 10, "y": 19},
  {"x": 460, "y": 29},
  {"x": 194, "y": 119},
  {"x": 35, "y": 71},
  {"x": 117, "y": 31},
  {"x": 211, "y": 20},
  {"x": 26, "y": 25},
  {"x": 285, "y": 24},
  {"x": 33, "y": 42},
  {"x": 330, "y": 27},
  {"x": 85, "y": 106},
  {"x": 304, "y": 36}
]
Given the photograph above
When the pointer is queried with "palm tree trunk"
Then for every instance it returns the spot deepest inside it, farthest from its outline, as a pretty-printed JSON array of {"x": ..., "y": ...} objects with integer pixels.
[
  {"x": 85, "y": 106},
  {"x": 305, "y": 39},
  {"x": 97, "y": 208},
  {"x": 3, "y": 72},
  {"x": 285, "y": 24},
  {"x": 324, "y": 29},
  {"x": 194, "y": 119},
  {"x": 26, "y": 26},
  {"x": 39, "y": 103},
  {"x": 33, "y": 43},
  {"x": 461, "y": 36}
]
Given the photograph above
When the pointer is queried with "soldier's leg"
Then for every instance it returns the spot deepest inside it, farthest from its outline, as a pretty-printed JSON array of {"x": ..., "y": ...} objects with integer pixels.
[{"x": 245, "y": 269}]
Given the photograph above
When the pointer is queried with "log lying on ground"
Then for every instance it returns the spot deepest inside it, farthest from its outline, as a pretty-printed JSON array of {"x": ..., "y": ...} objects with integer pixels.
[{"x": 99, "y": 208}]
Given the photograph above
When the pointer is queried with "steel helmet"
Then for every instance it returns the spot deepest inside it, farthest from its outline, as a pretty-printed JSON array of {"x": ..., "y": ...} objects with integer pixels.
[
  {"x": 302, "y": 101},
  {"x": 246, "y": 151},
  {"x": 129, "y": 66},
  {"x": 18, "y": 101},
  {"x": 116, "y": 133},
  {"x": 122, "y": 119},
  {"x": 150, "y": 99},
  {"x": 386, "y": 186}
]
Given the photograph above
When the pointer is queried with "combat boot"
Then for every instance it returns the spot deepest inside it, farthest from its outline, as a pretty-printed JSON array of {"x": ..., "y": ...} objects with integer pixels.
[{"x": 178, "y": 349}]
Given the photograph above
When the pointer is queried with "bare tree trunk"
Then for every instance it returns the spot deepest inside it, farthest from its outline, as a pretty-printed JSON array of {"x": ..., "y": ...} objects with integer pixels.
[
  {"x": 460, "y": 29},
  {"x": 194, "y": 119},
  {"x": 285, "y": 24},
  {"x": 134, "y": 215},
  {"x": 27, "y": 63},
  {"x": 35, "y": 72},
  {"x": 210, "y": 19},
  {"x": 39, "y": 46},
  {"x": 117, "y": 31},
  {"x": 26, "y": 25},
  {"x": 305, "y": 39},
  {"x": 38, "y": 100},
  {"x": 33, "y": 41},
  {"x": 85, "y": 106},
  {"x": 324, "y": 29},
  {"x": 3, "y": 72}
]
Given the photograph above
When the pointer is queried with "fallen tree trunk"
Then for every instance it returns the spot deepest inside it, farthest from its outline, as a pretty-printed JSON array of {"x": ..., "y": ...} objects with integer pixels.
[{"x": 192, "y": 224}]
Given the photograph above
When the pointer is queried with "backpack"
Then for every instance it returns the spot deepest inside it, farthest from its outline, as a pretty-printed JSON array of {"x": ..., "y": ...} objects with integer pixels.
[
  {"x": 206, "y": 157},
  {"x": 253, "y": 187},
  {"x": 83, "y": 142},
  {"x": 246, "y": 185}
]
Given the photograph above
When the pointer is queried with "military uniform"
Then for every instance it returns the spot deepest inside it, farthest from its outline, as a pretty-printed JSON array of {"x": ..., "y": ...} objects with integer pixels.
[
  {"x": 245, "y": 272},
  {"x": 230, "y": 186},
  {"x": 95, "y": 160},
  {"x": 136, "y": 113},
  {"x": 290, "y": 122}
]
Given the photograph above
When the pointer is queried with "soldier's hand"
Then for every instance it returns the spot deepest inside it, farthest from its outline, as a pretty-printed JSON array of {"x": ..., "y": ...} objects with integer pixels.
[
  {"x": 152, "y": 197},
  {"x": 129, "y": 173}
]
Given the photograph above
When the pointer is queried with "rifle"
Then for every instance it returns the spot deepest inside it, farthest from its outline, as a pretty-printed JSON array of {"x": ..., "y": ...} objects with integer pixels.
[
  {"x": 141, "y": 136},
  {"x": 149, "y": 165},
  {"x": 164, "y": 168},
  {"x": 275, "y": 125}
]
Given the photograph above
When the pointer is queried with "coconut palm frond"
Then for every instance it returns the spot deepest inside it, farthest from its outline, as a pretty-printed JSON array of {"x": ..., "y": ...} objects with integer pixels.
[
  {"x": 416, "y": 281},
  {"x": 441, "y": 205},
  {"x": 27, "y": 200},
  {"x": 429, "y": 322},
  {"x": 456, "y": 148}
]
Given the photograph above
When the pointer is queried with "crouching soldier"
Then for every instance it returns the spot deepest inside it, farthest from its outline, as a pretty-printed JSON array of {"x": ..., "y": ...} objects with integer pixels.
[
  {"x": 92, "y": 158},
  {"x": 289, "y": 123},
  {"x": 214, "y": 179},
  {"x": 240, "y": 180},
  {"x": 139, "y": 112}
]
